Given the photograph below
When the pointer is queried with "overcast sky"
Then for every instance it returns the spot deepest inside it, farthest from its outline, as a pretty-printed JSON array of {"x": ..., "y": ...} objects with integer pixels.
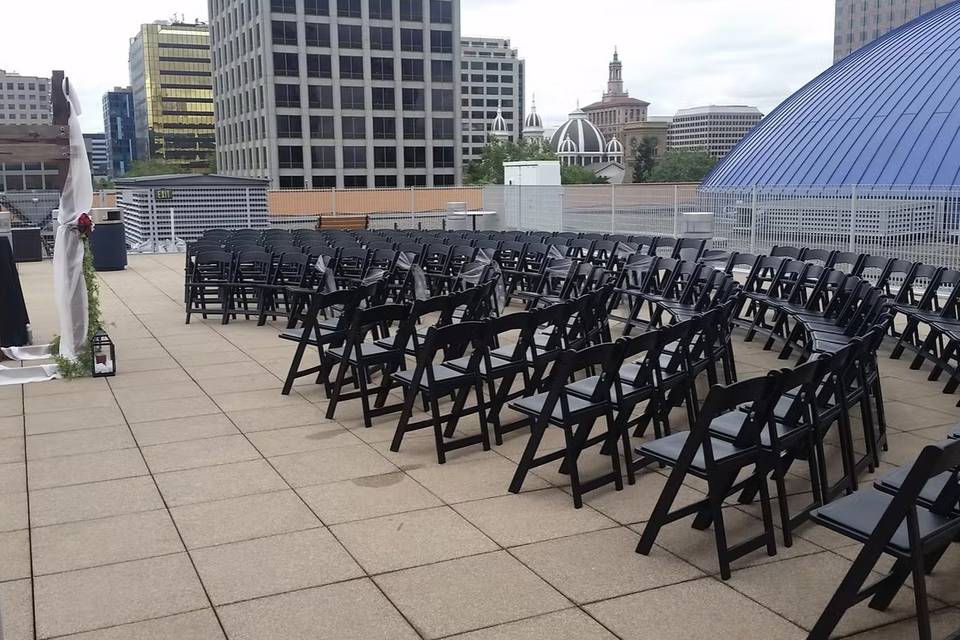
[{"x": 676, "y": 53}]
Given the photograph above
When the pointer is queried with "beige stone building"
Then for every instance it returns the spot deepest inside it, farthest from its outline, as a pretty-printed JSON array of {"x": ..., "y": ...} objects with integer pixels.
[
  {"x": 859, "y": 23},
  {"x": 634, "y": 133},
  {"x": 616, "y": 108}
]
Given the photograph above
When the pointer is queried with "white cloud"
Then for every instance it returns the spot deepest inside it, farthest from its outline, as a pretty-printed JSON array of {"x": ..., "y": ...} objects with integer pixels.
[{"x": 676, "y": 53}]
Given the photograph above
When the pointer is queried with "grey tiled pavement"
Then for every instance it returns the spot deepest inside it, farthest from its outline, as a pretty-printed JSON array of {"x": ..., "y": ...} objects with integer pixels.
[{"x": 187, "y": 499}]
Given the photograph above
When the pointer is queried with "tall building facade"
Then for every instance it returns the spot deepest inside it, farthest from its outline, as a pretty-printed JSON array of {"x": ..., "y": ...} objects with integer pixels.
[
  {"x": 858, "y": 23},
  {"x": 616, "y": 108},
  {"x": 25, "y": 100},
  {"x": 713, "y": 129},
  {"x": 96, "y": 145},
  {"x": 338, "y": 93},
  {"x": 491, "y": 78},
  {"x": 119, "y": 128},
  {"x": 172, "y": 93}
]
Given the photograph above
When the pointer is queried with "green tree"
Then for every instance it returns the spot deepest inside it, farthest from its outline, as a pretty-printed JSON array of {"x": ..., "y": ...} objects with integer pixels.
[
  {"x": 152, "y": 168},
  {"x": 572, "y": 174},
  {"x": 489, "y": 168},
  {"x": 644, "y": 158},
  {"x": 211, "y": 164},
  {"x": 103, "y": 183},
  {"x": 682, "y": 166}
]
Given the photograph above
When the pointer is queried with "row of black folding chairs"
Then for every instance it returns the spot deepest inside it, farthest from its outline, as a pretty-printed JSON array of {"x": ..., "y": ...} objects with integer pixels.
[{"x": 755, "y": 430}]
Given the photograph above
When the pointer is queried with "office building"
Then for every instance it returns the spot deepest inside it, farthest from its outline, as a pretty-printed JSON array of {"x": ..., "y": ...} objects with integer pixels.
[
  {"x": 714, "y": 129},
  {"x": 491, "y": 78},
  {"x": 616, "y": 108},
  {"x": 859, "y": 23},
  {"x": 96, "y": 145},
  {"x": 120, "y": 130},
  {"x": 345, "y": 93},
  {"x": 172, "y": 93},
  {"x": 25, "y": 100}
]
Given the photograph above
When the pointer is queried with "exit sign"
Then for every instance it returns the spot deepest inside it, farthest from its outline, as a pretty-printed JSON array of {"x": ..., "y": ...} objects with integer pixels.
[{"x": 164, "y": 194}]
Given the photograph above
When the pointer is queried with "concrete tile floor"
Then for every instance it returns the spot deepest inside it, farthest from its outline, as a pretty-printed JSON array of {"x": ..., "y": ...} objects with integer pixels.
[{"x": 186, "y": 498}]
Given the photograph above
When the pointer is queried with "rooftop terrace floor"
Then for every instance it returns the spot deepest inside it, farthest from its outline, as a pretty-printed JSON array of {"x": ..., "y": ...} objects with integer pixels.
[{"x": 187, "y": 499}]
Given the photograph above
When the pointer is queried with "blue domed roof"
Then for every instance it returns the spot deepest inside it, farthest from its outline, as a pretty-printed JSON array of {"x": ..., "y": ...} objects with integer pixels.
[{"x": 888, "y": 114}]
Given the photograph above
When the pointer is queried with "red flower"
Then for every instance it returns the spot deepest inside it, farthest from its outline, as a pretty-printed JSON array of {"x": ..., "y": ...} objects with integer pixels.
[{"x": 84, "y": 225}]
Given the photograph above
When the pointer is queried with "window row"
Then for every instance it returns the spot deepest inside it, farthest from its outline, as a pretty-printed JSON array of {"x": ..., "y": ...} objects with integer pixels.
[
  {"x": 383, "y": 98},
  {"x": 441, "y": 11},
  {"x": 361, "y": 182},
  {"x": 355, "y": 128},
  {"x": 291, "y": 157},
  {"x": 350, "y": 36},
  {"x": 351, "y": 68}
]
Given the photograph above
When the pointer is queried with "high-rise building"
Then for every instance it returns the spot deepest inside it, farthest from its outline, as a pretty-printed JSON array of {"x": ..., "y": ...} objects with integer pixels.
[
  {"x": 172, "y": 93},
  {"x": 25, "y": 100},
  {"x": 713, "y": 129},
  {"x": 345, "y": 93},
  {"x": 616, "y": 108},
  {"x": 491, "y": 78},
  {"x": 96, "y": 145},
  {"x": 120, "y": 130},
  {"x": 859, "y": 23}
]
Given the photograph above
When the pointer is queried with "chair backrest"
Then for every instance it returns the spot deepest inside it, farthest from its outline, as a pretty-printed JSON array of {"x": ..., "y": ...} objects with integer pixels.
[
  {"x": 690, "y": 249},
  {"x": 821, "y": 257},
  {"x": 783, "y": 251},
  {"x": 213, "y": 266},
  {"x": 606, "y": 357},
  {"x": 453, "y": 340},
  {"x": 848, "y": 262},
  {"x": 920, "y": 286}
]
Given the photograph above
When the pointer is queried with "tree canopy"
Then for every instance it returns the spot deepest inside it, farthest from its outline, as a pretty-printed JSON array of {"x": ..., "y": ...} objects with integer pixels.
[
  {"x": 152, "y": 168},
  {"x": 572, "y": 174},
  {"x": 682, "y": 166},
  {"x": 644, "y": 159}
]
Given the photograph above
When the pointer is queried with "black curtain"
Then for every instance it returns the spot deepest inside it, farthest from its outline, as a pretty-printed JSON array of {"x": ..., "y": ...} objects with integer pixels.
[{"x": 13, "y": 310}]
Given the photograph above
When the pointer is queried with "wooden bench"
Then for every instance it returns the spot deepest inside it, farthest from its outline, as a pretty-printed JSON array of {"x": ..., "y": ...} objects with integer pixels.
[{"x": 342, "y": 222}]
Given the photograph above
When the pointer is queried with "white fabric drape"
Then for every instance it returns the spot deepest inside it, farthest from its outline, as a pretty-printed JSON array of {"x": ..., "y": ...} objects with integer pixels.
[{"x": 76, "y": 198}]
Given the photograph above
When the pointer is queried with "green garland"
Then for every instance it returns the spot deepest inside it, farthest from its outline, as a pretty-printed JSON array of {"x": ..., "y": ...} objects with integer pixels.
[{"x": 83, "y": 365}]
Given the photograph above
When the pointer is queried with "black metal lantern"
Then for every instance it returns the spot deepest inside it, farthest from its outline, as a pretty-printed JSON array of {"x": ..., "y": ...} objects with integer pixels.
[{"x": 104, "y": 361}]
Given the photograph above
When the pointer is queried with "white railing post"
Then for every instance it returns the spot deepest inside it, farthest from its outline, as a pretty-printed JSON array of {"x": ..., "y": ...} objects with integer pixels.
[
  {"x": 413, "y": 208},
  {"x": 753, "y": 221},
  {"x": 676, "y": 211},
  {"x": 853, "y": 218},
  {"x": 334, "y": 202},
  {"x": 613, "y": 208}
]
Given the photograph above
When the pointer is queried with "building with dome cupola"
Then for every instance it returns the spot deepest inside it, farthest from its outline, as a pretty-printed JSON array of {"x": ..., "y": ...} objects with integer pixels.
[
  {"x": 579, "y": 142},
  {"x": 499, "y": 129},
  {"x": 533, "y": 123}
]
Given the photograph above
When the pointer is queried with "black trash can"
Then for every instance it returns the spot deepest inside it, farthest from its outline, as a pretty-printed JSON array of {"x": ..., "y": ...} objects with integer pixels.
[{"x": 109, "y": 245}]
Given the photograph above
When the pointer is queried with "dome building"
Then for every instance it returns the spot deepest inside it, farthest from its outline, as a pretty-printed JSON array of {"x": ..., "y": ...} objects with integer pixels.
[
  {"x": 533, "y": 123},
  {"x": 579, "y": 141},
  {"x": 887, "y": 115},
  {"x": 499, "y": 129}
]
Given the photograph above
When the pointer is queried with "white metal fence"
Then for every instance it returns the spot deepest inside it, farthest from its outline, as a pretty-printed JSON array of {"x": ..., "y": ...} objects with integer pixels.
[{"x": 917, "y": 225}]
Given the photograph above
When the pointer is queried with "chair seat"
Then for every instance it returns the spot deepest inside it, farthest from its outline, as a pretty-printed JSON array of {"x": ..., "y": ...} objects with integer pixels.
[
  {"x": 533, "y": 406},
  {"x": 729, "y": 425},
  {"x": 857, "y": 515},
  {"x": 892, "y": 482},
  {"x": 668, "y": 450},
  {"x": 443, "y": 375},
  {"x": 296, "y": 334},
  {"x": 956, "y": 433},
  {"x": 367, "y": 350}
]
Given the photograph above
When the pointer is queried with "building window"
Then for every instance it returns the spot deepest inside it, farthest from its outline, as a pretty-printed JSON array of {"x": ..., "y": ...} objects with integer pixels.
[
  {"x": 321, "y": 127},
  {"x": 350, "y": 36},
  {"x": 348, "y": 8},
  {"x": 323, "y": 158},
  {"x": 442, "y": 99},
  {"x": 411, "y": 10},
  {"x": 385, "y": 182},
  {"x": 384, "y": 129},
  {"x": 352, "y": 98},
  {"x": 443, "y": 128},
  {"x": 444, "y": 180},
  {"x": 284, "y": 32},
  {"x": 316, "y": 7},
  {"x": 413, "y": 100},
  {"x": 415, "y": 157},
  {"x": 286, "y": 64},
  {"x": 351, "y": 67},
  {"x": 354, "y": 127},
  {"x": 441, "y": 11},
  {"x": 383, "y": 98},
  {"x": 317, "y": 34},
  {"x": 381, "y": 68},
  {"x": 441, "y": 70},
  {"x": 291, "y": 182},
  {"x": 324, "y": 182},
  {"x": 354, "y": 157},
  {"x": 381, "y": 9},
  {"x": 318, "y": 66},
  {"x": 384, "y": 157},
  {"x": 441, "y": 42},
  {"x": 411, "y": 70},
  {"x": 288, "y": 126},
  {"x": 290, "y": 157},
  {"x": 355, "y": 182},
  {"x": 411, "y": 40},
  {"x": 414, "y": 129},
  {"x": 415, "y": 181},
  {"x": 381, "y": 38},
  {"x": 283, "y": 6},
  {"x": 287, "y": 95},
  {"x": 443, "y": 157},
  {"x": 320, "y": 96}
]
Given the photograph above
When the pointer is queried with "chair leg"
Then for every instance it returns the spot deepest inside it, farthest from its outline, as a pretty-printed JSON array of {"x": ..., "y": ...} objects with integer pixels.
[
  {"x": 537, "y": 431},
  {"x": 410, "y": 397},
  {"x": 294, "y": 368},
  {"x": 662, "y": 509},
  {"x": 334, "y": 398}
]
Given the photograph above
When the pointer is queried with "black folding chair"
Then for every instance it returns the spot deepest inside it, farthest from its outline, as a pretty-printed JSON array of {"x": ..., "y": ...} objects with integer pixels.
[{"x": 207, "y": 291}]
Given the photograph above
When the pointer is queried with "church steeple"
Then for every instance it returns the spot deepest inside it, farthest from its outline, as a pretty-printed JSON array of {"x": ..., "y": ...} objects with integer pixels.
[{"x": 615, "y": 82}]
